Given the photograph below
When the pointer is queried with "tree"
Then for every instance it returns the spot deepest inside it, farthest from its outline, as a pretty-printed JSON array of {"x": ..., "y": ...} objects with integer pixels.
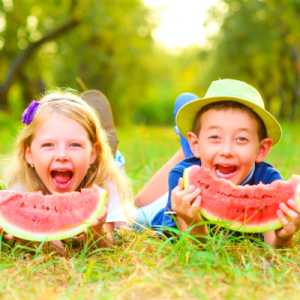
[
  {"x": 103, "y": 44},
  {"x": 257, "y": 42}
]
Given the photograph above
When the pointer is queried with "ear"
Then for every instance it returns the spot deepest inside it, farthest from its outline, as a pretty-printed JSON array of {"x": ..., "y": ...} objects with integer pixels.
[
  {"x": 95, "y": 150},
  {"x": 193, "y": 141},
  {"x": 264, "y": 149},
  {"x": 28, "y": 155}
]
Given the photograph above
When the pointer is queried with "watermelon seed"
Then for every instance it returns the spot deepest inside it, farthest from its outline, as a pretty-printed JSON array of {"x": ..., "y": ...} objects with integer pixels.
[
  {"x": 22, "y": 205},
  {"x": 34, "y": 206},
  {"x": 237, "y": 210},
  {"x": 266, "y": 207},
  {"x": 263, "y": 197},
  {"x": 207, "y": 186},
  {"x": 245, "y": 196},
  {"x": 47, "y": 208},
  {"x": 243, "y": 211},
  {"x": 33, "y": 218}
]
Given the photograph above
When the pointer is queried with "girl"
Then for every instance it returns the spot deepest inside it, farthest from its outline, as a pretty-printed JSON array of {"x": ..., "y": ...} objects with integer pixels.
[{"x": 62, "y": 148}]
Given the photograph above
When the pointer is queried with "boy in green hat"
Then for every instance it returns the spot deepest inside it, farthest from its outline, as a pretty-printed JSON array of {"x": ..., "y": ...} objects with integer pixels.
[{"x": 230, "y": 133}]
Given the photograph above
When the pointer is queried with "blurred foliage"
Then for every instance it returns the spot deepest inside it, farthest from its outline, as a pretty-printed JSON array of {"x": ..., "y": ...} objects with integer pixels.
[
  {"x": 107, "y": 45},
  {"x": 258, "y": 42}
]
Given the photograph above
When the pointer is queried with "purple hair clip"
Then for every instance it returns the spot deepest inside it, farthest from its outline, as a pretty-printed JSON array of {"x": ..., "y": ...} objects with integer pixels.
[{"x": 29, "y": 112}]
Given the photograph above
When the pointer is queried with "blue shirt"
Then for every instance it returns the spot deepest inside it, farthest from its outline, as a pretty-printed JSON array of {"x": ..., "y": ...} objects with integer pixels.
[{"x": 261, "y": 172}]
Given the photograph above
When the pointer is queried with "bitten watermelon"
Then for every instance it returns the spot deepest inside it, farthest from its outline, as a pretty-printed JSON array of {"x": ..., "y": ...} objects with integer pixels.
[
  {"x": 248, "y": 208},
  {"x": 34, "y": 217}
]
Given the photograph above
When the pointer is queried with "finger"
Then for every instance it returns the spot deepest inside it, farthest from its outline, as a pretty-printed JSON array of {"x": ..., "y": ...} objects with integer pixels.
[
  {"x": 180, "y": 183},
  {"x": 197, "y": 203},
  {"x": 189, "y": 198},
  {"x": 289, "y": 212},
  {"x": 294, "y": 205},
  {"x": 179, "y": 186},
  {"x": 100, "y": 217},
  {"x": 284, "y": 221},
  {"x": 95, "y": 223},
  {"x": 8, "y": 236}
]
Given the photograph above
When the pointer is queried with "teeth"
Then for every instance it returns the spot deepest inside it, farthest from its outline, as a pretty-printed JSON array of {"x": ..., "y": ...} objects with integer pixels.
[{"x": 227, "y": 166}]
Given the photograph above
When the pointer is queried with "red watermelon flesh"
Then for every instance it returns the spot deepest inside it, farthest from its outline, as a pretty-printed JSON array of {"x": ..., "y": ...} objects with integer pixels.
[
  {"x": 248, "y": 208},
  {"x": 34, "y": 217}
]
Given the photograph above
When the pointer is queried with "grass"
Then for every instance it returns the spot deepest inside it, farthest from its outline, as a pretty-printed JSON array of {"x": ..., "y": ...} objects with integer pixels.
[{"x": 143, "y": 266}]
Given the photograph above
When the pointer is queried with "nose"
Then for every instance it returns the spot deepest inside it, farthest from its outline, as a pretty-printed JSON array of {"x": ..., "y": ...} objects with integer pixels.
[
  {"x": 62, "y": 154},
  {"x": 227, "y": 149}
]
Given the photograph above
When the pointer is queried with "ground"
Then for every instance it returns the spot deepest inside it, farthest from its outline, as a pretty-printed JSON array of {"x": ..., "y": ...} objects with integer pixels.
[{"x": 143, "y": 266}]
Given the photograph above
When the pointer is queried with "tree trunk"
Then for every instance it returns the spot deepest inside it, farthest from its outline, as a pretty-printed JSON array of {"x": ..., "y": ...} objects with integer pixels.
[{"x": 25, "y": 55}]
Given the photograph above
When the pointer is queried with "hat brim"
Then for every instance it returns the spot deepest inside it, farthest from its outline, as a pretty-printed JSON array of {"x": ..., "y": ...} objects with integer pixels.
[{"x": 186, "y": 115}]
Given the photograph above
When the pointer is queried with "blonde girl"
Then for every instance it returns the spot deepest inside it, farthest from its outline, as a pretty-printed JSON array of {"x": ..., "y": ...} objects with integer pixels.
[{"x": 62, "y": 148}]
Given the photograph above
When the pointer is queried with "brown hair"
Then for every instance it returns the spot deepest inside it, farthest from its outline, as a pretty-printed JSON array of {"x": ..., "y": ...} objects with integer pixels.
[{"x": 230, "y": 105}]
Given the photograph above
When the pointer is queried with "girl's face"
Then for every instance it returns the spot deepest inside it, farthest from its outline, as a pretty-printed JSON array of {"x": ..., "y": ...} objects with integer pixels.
[{"x": 61, "y": 153}]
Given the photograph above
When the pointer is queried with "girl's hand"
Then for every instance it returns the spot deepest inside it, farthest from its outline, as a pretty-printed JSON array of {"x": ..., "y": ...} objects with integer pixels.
[
  {"x": 98, "y": 230},
  {"x": 99, "y": 223},
  {"x": 7, "y": 235},
  {"x": 289, "y": 227},
  {"x": 186, "y": 203}
]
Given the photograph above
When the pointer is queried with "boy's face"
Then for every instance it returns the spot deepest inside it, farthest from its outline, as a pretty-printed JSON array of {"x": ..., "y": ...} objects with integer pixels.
[{"x": 228, "y": 144}]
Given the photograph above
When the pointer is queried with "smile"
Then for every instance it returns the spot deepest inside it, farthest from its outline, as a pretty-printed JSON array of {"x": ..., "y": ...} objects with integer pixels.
[
  {"x": 62, "y": 178},
  {"x": 225, "y": 171}
]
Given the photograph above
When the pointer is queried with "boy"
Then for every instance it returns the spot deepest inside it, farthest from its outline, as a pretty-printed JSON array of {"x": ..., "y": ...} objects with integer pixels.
[{"x": 231, "y": 133}]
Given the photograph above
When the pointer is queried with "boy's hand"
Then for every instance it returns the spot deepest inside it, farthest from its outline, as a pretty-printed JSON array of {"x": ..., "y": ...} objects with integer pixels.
[
  {"x": 186, "y": 203},
  {"x": 289, "y": 227}
]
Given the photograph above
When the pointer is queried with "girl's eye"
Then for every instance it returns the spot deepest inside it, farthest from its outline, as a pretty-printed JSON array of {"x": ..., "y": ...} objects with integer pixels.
[
  {"x": 48, "y": 145},
  {"x": 242, "y": 139},
  {"x": 75, "y": 145}
]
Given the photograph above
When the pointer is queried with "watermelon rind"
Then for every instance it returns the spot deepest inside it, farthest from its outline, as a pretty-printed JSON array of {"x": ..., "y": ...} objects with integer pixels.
[
  {"x": 238, "y": 226},
  {"x": 241, "y": 227},
  {"x": 57, "y": 235},
  {"x": 186, "y": 178}
]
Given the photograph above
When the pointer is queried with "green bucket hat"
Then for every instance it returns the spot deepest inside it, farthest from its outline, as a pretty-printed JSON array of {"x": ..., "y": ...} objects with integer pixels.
[{"x": 229, "y": 90}]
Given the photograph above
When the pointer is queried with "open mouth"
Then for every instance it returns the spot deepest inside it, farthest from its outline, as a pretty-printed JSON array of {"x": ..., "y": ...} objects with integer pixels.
[
  {"x": 62, "y": 179},
  {"x": 225, "y": 171}
]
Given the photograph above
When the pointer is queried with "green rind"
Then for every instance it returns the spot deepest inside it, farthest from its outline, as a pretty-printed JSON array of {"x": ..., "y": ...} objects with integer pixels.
[
  {"x": 241, "y": 227},
  {"x": 186, "y": 178},
  {"x": 25, "y": 235}
]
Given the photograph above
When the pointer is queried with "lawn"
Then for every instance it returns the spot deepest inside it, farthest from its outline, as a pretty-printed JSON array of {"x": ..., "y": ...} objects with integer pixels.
[{"x": 142, "y": 266}]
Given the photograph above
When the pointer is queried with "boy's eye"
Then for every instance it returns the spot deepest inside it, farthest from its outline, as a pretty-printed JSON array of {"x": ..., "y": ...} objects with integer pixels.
[
  {"x": 47, "y": 145},
  {"x": 242, "y": 139},
  {"x": 214, "y": 137}
]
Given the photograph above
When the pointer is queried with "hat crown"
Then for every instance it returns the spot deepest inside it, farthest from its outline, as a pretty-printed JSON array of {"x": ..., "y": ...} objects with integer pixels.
[{"x": 235, "y": 88}]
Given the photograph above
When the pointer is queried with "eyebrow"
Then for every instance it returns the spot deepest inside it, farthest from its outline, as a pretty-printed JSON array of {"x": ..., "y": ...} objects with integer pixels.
[{"x": 239, "y": 129}]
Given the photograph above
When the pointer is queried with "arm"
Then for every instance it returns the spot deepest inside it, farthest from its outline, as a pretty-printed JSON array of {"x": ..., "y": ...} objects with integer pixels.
[{"x": 158, "y": 184}]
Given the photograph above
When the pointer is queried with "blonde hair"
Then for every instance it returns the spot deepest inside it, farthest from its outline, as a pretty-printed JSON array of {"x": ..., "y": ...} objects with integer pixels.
[{"x": 102, "y": 171}]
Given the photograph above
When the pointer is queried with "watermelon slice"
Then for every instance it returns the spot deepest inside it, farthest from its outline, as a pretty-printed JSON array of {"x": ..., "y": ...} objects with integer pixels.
[
  {"x": 247, "y": 208},
  {"x": 34, "y": 217}
]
